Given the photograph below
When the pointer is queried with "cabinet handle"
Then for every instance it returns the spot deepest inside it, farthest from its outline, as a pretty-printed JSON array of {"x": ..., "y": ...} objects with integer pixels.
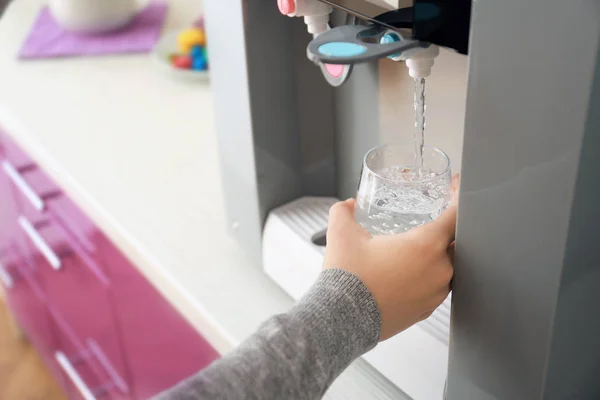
[
  {"x": 73, "y": 375},
  {"x": 75, "y": 245},
  {"x": 5, "y": 277},
  {"x": 116, "y": 380},
  {"x": 40, "y": 243},
  {"x": 24, "y": 187}
]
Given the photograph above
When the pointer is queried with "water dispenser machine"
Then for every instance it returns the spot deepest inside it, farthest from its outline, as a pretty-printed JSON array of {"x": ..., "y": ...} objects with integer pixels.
[{"x": 304, "y": 88}]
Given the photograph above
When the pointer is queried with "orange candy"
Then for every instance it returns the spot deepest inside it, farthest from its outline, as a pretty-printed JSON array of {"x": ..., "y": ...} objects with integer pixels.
[{"x": 190, "y": 38}]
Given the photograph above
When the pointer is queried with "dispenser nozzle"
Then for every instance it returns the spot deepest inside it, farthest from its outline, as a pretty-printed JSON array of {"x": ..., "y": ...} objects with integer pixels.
[
  {"x": 315, "y": 13},
  {"x": 420, "y": 61}
]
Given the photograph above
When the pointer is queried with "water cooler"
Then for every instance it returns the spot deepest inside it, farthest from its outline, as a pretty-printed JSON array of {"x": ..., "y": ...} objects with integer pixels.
[{"x": 515, "y": 102}]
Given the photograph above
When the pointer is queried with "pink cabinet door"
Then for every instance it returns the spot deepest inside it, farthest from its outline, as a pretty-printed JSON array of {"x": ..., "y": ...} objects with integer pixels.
[
  {"x": 78, "y": 292},
  {"x": 26, "y": 302},
  {"x": 161, "y": 347},
  {"x": 20, "y": 278},
  {"x": 8, "y": 207},
  {"x": 115, "y": 334},
  {"x": 86, "y": 371}
]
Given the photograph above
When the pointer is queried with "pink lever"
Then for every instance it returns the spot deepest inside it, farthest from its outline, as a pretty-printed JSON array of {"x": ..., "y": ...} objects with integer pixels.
[
  {"x": 286, "y": 7},
  {"x": 335, "y": 70}
]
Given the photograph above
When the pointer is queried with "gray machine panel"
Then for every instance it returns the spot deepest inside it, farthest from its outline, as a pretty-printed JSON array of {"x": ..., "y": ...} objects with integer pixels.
[
  {"x": 525, "y": 290},
  {"x": 574, "y": 364},
  {"x": 274, "y": 115}
]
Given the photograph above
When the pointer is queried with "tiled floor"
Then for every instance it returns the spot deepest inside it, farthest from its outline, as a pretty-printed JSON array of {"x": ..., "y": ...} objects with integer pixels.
[{"x": 23, "y": 376}]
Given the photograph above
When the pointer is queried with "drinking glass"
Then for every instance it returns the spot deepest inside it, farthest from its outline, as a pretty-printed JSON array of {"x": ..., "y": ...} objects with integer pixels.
[{"x": 395, "y": 196}]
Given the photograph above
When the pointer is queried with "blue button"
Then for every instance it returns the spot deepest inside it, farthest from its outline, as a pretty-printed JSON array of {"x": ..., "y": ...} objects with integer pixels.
[
  {"x": 342, "y": 49},
  {"x": 389, "y": 38}
]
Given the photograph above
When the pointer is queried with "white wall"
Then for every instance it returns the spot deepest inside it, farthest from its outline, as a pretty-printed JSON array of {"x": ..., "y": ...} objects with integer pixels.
[{"x": 445, "y": 99}]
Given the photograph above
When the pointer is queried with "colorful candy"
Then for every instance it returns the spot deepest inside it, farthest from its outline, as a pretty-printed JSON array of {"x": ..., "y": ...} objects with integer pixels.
[
  {"x": 199, "y": 64},
  {"x": 197, "y": 51},
  {"x": 190, "y": 38},
  {"x": 182, "y": 61},
  {"x": 192, "y": 47}
]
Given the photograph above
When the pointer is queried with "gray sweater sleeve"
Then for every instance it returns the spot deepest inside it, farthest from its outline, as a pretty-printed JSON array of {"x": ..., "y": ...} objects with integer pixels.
[{"x": 296, "y": 355}]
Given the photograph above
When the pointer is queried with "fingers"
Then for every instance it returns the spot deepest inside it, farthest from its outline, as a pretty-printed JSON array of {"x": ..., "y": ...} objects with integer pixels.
[
  {"x": 445, "y": 225},
  {"x": 342, "y": 222}
]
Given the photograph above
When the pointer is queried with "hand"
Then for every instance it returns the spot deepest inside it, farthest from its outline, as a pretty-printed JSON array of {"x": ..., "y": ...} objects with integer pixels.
[{"x": 408, "y": 274}]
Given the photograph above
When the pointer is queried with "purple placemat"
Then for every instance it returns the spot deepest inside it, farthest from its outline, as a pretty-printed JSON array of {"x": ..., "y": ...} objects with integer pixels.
[{"x": 47, "y": 39}]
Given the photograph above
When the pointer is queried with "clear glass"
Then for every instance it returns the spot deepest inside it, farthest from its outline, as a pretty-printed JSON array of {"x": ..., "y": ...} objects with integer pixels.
[{"x": 393, "y": 197}]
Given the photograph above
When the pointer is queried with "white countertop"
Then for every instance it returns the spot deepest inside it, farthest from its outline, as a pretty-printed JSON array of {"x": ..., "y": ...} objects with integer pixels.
[{"x": 137, "y": 151}]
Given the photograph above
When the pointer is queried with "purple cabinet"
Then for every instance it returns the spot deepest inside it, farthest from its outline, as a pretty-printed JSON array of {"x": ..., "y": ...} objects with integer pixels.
[
  {"x": 26, "y": 300},
  {"x": 86, "y": 367},
  {"x": 161, "y": 347},
  {"x": 79, "y": 294},
  {"x": 19, "y": 278},
  {"x": 8, "y": 205},
  {"x": 101, "y": 327}
]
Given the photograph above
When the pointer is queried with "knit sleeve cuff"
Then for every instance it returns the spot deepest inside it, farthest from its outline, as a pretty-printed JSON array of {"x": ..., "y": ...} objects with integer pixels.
[{"x": 342, "y": 312}]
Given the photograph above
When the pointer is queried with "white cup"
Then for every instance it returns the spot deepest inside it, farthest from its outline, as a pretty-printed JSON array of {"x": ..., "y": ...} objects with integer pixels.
[{"x": 93, "y": 16}]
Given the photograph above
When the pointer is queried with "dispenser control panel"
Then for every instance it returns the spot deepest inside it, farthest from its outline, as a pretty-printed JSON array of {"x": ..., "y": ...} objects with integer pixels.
[
  {"x": 442, "y": 22},
  {"x": 368, "y": 9}
]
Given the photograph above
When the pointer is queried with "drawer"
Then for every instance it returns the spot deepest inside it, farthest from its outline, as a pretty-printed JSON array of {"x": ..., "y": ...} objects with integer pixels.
[
  {"x": 76, "y": 289},
  {"x": 77, "y": 224},
  {"x": 32, "y": 190},
  {"x": 58, "y": 209},
  {"x": 37, "y": 194},
  {"x": 85, "y": 369},
  {"x": 25, "y": 175}
]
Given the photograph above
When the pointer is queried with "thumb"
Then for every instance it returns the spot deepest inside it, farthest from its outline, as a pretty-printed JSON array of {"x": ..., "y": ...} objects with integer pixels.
[{"x": 342, "y": 223}]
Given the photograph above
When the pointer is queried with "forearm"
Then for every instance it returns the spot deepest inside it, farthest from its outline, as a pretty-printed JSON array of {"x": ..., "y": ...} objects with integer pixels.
[{"x": 296, "y": 355}]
